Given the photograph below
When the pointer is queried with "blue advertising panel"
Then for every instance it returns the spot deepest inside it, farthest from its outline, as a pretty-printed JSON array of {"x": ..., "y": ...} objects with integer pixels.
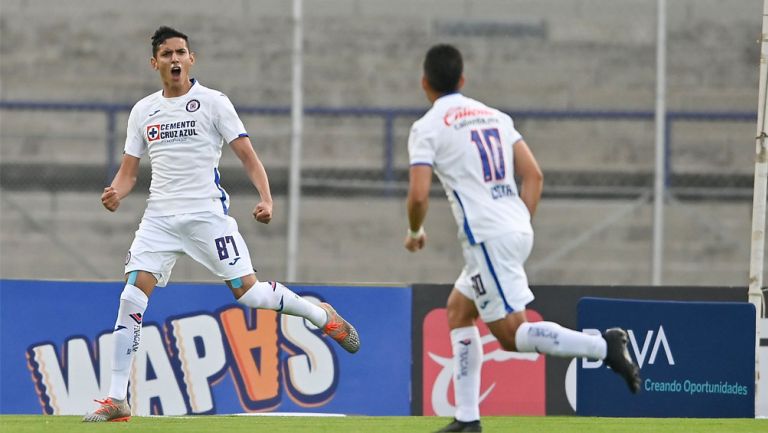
[
  {"x": 201, "y": 352},
  {"x": 697, "y": 359}
]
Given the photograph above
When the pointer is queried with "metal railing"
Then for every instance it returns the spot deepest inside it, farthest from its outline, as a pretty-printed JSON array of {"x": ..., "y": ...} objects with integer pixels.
[{"x": 388, "y": 117}]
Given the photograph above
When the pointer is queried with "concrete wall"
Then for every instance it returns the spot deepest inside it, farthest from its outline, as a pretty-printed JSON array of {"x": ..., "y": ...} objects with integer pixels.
[
  {"x": 70, "y": 236},
  {"x": 519, "y": 54}
]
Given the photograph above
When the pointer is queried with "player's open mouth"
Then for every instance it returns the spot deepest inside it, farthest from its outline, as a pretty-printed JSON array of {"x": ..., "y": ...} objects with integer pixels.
[{"x": 176, "y": 71}]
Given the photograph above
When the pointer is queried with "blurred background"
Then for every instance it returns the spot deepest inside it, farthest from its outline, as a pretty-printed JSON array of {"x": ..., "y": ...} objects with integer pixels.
[{"x": 577, "y": 76}]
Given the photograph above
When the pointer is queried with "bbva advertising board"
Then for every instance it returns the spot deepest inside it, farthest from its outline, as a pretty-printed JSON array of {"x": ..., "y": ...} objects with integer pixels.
[
  {"x": 527, "y": 384},
  {"x": 201, "y": 352},
  {"x": 696, "y": 359}
]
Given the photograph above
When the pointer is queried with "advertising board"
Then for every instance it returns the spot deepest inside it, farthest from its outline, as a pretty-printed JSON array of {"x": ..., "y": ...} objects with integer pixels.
[{"x": 201, "y": 352}]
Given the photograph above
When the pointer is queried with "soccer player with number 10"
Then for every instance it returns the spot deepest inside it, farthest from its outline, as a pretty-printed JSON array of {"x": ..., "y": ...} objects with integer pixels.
[{"x": 476, "y": 153}]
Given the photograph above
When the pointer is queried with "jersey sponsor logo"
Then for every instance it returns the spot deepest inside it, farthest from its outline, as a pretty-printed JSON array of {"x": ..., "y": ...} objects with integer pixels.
[
  {"x": 153, "y": 132},
  {"x": 193, "y": 105},
  {"x": 512, "y": 383},
  {"x": 174, "y": 131},
  {"x": 456, "y": 114}
]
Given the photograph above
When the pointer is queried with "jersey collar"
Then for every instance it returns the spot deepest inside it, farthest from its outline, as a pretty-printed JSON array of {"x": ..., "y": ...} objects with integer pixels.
[
  {"x": 191, "y": 89},
  {"x": 447, "y": 98}
]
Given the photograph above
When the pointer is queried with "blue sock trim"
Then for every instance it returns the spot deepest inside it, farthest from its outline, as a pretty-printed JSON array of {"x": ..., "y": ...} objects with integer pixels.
[
  {"x": 132, "y": 277},
  {"x": 236, "y": 283}
]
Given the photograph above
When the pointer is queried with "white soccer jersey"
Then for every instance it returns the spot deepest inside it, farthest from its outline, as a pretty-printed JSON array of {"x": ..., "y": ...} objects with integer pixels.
[
  {"x": 469, "y": 146},
  {"x": 183, "y": 137}
]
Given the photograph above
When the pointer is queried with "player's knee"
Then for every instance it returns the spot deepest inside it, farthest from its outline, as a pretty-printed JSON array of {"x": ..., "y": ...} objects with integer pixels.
[
  {"x": 134, "y": 295},
  {"x": 459, "y": 318},
  {"x": 461, "y": 311},
  {"x": 507, "y": 343},
  {"x": 143, "y": 280},
  {"x": 261, "y": 295},
  {"x": 505, "y": 336},
  {"x": 240, "y": 285}
]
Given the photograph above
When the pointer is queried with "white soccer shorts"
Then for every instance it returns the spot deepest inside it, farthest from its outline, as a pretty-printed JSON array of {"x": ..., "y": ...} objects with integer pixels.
[
  {"x": 493, "y": 275},
  {"x": 209, "y": 238}
]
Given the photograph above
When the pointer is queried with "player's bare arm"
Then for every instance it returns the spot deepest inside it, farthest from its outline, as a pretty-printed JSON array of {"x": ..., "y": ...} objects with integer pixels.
[
  {"x": 122, "y": 184},
  {"x": 417, "y": 204},
  {"x": 257, "y": 174},
  {"x": 532, "y": 181}
]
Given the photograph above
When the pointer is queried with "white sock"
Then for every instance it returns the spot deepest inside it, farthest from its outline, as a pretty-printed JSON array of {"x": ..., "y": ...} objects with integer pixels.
[
  {"x": 467, "y": 362},
  {"x": 275, "y": 296},
  {"x": 127, "y": 336},
  {"x": 553, "y": 339}
]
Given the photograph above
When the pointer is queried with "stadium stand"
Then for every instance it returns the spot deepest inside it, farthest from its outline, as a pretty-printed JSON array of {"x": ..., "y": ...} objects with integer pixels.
[{"x": 582, "y": 60}]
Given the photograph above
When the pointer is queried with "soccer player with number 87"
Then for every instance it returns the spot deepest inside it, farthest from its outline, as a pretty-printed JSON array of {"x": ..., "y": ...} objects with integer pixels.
[{"x": 183, "y": 128}]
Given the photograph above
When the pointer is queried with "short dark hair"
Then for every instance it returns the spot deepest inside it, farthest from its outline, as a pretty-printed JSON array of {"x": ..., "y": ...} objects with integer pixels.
[
  {"x": 443, "y": 67},
  {"x": 164, "y": 33}
]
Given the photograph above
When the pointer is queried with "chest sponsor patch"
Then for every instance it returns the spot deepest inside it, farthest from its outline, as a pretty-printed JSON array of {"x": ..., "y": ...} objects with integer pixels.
[{"x": 153, "y": 132}]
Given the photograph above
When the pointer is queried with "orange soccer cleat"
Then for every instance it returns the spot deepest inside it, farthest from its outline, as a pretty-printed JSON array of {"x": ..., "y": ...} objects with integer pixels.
[
  {"x": 109, "y": 411},
  {"x": 340, "y": 330}
]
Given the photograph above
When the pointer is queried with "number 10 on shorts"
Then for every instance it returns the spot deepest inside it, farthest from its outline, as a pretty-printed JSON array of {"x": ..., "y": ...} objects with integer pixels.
[
  {"x": 221, "y": 247},
  {"x": 477, "y": 284}
]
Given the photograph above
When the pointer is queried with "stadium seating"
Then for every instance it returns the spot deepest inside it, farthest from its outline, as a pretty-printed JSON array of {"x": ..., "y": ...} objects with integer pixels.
[{"x": 520, "y": 55}]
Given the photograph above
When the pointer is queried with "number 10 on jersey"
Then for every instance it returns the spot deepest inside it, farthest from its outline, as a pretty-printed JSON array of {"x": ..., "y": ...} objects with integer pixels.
[{"x": 488, "y": 143}]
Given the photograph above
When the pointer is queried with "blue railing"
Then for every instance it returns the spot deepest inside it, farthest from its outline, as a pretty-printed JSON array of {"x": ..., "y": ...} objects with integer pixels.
[{"x": 388, "y": 115}]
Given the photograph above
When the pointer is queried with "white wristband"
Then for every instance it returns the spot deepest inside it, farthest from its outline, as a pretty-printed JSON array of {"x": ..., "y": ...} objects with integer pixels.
[{"x": 416, "y": 234}]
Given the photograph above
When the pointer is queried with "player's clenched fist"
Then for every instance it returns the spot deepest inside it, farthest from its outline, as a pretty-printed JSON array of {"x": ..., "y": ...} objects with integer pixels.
[
  {"x": 110, "y": 199},
  {"x": 263, "y": 212},
  {"x": 415, "y": 242}
]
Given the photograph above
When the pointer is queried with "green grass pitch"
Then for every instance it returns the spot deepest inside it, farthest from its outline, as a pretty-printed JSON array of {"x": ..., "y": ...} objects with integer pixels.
[{"x": 366, "y": 424}]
